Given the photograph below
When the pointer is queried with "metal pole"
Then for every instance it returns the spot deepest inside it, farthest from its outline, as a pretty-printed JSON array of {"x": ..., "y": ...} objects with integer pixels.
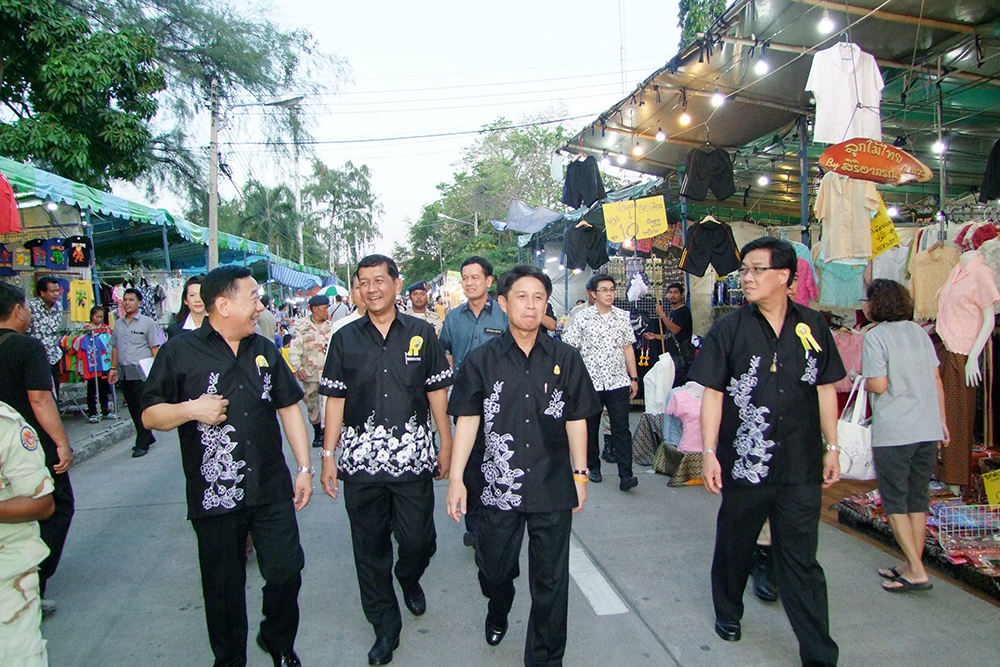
[
  {"x": 93, "y": 257},
  {"x": 270, "y": 278},
  {"x": 944, "y": 153},
  {"x": 298, "y": 187},
  {"x": 684, "y": 234},
  {"x": 166, "y": 247},
  {"x": 213, "y": 181},
  {"x": 803, "y": 180}
]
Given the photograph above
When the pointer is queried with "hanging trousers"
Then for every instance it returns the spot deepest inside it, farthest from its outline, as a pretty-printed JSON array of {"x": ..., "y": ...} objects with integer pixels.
[
  {"x": 794, "y": 510},
  {"x": 222, "y": 543},
  {"x": 132, "y": 391},
  {"x": 498, "y": 554},
  {"x": 955, "y": 460},
  {"x": 617, "y": 403},
  {"x": 54, "y": 529},
  {"x": 378, "y": 512}
]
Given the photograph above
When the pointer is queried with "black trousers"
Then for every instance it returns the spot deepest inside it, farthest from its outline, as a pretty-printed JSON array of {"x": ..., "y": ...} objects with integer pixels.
[
  {"x": 222, "y": 542},
  {"x": 54, "y": 529},
  {"x": 473, "y": 478},
  {"x": 378, "y": 512},
  {"x": 55, "y": 378},
  {"x": 794, "y": 511},
  {"x": 498, "y": 554},
  {"x": 98, "y": 386},
  {"x": 132, "y": 390},
  {"x": 617, "y": 403}
]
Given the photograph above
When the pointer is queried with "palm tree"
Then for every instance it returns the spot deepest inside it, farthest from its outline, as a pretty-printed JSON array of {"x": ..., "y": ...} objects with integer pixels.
[{"x": 268, "y": 216}]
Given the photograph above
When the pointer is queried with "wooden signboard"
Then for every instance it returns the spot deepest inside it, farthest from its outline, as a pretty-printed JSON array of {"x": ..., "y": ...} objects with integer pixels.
[{"x": 870, "y": 160}]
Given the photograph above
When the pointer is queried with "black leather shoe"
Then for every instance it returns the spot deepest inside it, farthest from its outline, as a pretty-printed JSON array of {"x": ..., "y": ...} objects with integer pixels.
[
  {"x": 287, "y": 660},
  {"x": 139, "y": 451},
  {"x": 628, "y": 483},
  {"x": 415, "y": 601},
  {"x": 608, "y": 456},
  {"x": 381, "y": 653},
  {"x": 728, "y": 630},
  {"x": 596, "y": 476},
  {"x": 495, "y": 634},
  {"x": 763, "y": 582},
  {"x": 469, "y": 539}
]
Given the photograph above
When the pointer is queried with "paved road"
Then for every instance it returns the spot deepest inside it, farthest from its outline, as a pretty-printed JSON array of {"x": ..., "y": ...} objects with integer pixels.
[{"x": 129, "y": 590}]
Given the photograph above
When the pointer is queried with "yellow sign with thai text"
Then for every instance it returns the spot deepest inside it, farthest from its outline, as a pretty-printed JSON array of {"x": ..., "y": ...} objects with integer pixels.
[
  {"x": 638, "y": 219},
  {"x": 991, "y": 482},
  {"x": 884, "y": 234}
]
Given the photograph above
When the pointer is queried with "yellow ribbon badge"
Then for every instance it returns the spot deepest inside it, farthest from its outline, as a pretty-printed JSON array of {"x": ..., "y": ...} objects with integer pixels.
[
  {"x": 804, "y": 333},
  {"x": 416, "y": 343},
  {"x": 556, "y": 370},
  {"x": 261, "y": 361}
]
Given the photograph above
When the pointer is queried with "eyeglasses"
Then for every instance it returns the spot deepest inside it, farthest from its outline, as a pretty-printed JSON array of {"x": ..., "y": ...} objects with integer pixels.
[
  {"x": 605, "y": 290},
  {"x": 755, "y": 270}
]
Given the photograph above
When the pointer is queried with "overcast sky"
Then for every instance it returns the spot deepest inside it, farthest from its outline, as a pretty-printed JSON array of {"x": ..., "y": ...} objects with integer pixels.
[{"x": 433, "y": 67}]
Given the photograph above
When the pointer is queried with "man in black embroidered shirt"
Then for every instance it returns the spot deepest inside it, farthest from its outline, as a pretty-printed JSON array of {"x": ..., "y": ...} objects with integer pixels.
[
  {"x": 222, "y": 387},
  {"x": 534, "y": 468},
  {"x": 768, "y": 371},
  {"x": 385, "y": 373}
]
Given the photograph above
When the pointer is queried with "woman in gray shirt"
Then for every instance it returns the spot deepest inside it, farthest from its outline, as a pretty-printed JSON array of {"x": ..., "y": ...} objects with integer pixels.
[{"x": 901, "y": 371}]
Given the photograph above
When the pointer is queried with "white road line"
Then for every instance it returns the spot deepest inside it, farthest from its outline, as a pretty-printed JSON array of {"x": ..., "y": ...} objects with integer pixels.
[{"x": 595, "y": 587}]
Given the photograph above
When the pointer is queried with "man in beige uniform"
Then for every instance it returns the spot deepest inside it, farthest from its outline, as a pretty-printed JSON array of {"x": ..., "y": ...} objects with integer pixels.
[
  {"x": 25, "y": 498},
  {"x": 307, "y": 354},
  {"x": 420, "y": 308}
]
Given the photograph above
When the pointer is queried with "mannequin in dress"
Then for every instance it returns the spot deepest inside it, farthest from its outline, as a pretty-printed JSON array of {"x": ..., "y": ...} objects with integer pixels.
[{"x": 972, "y": 373}]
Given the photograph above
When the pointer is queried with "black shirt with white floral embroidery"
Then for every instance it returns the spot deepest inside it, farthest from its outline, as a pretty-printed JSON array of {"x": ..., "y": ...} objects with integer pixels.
[
  {"x": 524, "y": 403},
  {"x": 770, "y": 430},
  {"x": 238, "y": 463},
  {"x": 386, "y": 435}
]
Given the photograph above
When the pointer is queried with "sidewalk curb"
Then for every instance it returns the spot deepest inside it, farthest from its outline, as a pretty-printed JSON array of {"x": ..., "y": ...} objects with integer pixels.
[{"x": 121, "y": 430}]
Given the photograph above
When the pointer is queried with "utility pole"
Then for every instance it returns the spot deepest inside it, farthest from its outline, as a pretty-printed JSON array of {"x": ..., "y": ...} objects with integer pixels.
[
  {"x": 475, "y": 225},
  {"x": 298, "y": 188},
  {"x": 213, "y": 181}
]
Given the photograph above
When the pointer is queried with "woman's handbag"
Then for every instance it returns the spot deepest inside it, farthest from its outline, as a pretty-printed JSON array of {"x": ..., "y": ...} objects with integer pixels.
[{"x": 854, "y": 436}]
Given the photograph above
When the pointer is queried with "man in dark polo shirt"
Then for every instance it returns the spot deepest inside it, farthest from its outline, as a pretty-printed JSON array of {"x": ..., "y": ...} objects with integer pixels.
[
  {"x": 385, "y": 373},
  {"x": 768, "y": 370},
  {"x": 525, "y": 398},
  {"x": 223, "y": 387}
]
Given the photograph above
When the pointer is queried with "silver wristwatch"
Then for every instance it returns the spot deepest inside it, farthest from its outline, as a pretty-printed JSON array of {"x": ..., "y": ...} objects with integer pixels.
[
  {"x": 326, "y": 453},
  {"x": 310, "y": 470}
]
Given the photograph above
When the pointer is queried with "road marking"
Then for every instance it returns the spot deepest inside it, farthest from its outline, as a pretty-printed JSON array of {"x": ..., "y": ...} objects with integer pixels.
[{"x": 595, "y": 587}]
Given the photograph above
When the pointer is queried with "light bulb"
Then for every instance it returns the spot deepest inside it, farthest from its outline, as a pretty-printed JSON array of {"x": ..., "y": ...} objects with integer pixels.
[
  {"x": 826, "y": 24},
  {"x": 660, "y": 134},
  {"x": 761, "y": 67},
  {"x": 939, "y": 146},
  {"x": 51, "y": 205},
  {"x": 605, "y": 161},
  {"x": 627, "y": 243},
  {"x": 685, "y": 118},
  {"x": 892, "y": 211},
  {"x": 621, "y": 158},
  {"x": 718, "y": 99},
  {"x": 637, "y": 151},
  {"x": 763, "y": 180}
]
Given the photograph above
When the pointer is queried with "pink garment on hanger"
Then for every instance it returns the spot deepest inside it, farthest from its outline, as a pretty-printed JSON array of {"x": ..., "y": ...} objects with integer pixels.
[
  {"x": 806, "y": 289},
  {"x": 687, "y": 408},
  {"x": 850, "y": 345}
]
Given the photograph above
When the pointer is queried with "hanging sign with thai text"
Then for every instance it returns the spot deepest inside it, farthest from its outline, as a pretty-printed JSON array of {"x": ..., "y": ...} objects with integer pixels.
[
  {"x": 870, "y": 160},
  {"x": 884, "y": 234},
  {"x": 637, "y": 219}
]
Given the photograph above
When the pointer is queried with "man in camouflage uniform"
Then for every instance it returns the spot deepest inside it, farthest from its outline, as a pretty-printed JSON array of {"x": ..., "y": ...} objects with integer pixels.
[
  {"x": 25, "y": 498},
  {"x": 307, "y": 355}
]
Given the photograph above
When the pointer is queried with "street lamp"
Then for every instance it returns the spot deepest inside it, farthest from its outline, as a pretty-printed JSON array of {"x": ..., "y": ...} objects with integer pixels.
[
  {"x": 288, "y": 101},
  {"x": 474, "y": 223},
  {"x": 333, "y": 249}
]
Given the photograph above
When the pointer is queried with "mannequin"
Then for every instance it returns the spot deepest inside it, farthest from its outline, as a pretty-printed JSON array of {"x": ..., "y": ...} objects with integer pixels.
[{"x": 972, "y": 373}]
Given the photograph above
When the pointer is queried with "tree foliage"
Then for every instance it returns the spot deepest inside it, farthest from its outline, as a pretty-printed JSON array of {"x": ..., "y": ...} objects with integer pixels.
[
  {"x": 79, "y": 100},
  {"x": 694, "y": 16}
]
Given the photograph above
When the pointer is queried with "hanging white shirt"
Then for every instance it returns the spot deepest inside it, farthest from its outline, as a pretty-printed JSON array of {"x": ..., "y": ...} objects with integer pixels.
[{"x": 842, "y": 78}]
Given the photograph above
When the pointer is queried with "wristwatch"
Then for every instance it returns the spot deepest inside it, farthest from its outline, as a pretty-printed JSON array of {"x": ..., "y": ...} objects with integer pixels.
[
  {"x": 634, "y": 379},
  {"x": 326, "y": 453},
  {"x": 310, "y": 470}
]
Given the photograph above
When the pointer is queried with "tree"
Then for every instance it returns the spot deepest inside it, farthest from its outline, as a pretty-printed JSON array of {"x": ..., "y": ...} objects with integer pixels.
[
  {"x": 344, "y": 206},
  {"x": 694, "y": 16},
  {"x": 80, "y": 100},
  {"x": 268, "y": 216}
]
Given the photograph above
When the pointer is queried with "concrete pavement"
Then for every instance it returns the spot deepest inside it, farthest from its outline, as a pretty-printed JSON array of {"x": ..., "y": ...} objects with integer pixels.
[{"x": 129, "y": 591}]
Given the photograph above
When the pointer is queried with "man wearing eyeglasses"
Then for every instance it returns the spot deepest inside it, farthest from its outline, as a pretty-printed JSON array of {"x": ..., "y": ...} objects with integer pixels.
[
  {"x": 604, "y": 336},
  {"x": 768, "y": 371}
]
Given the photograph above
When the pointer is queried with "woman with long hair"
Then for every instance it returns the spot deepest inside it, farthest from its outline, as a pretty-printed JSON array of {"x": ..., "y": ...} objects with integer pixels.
[{"x": 192, "y": 312}]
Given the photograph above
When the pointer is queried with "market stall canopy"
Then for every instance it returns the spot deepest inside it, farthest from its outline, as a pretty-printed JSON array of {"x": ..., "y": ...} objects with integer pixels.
[{"x": 929, "y": 54}]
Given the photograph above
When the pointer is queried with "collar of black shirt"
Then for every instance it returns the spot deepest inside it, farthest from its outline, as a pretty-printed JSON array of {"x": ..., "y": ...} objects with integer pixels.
[
  {"x": 792, "y": 314},
  {"x": 541, "y": 338},
  {"x": 487, "y": 307},
  {"x": 207, "y": 332}
]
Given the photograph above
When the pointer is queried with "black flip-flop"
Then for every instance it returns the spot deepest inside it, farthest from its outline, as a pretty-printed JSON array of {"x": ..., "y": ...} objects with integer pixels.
[
  {"x": 908, "y": 586},
  {"x": 895, "y": 573}
]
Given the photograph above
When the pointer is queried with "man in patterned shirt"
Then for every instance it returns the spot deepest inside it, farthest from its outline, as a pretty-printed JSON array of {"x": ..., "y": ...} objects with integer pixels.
[
  {"x": 46, "y": 320},
  {"x": 604, "y": 336},
  {"x": 307, "y": 355},
  {"x": 385, "y": 373}
]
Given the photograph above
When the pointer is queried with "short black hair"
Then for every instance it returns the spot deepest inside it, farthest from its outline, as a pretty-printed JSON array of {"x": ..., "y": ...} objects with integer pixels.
[
  {"x": 221, "y": 282},
  {"x": 266, "y": 300},
  {"x": 135, "y": 291},
  {"x": 782, "y": 253},
  {"x": 508, "y": 279},
  {"x": 10, "y": 296},
  {"x": 599, "y": 278},
  {"x": 677, "y": 286},
  {"x": 483, "y": 263},
  {"x": 888, "y": 301},
  {"x": 95, "y": 309},
  {"x": 378, "y": 260},
  {"x": 43, "y": 284},
  {"x": 286, "y": 339}
]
